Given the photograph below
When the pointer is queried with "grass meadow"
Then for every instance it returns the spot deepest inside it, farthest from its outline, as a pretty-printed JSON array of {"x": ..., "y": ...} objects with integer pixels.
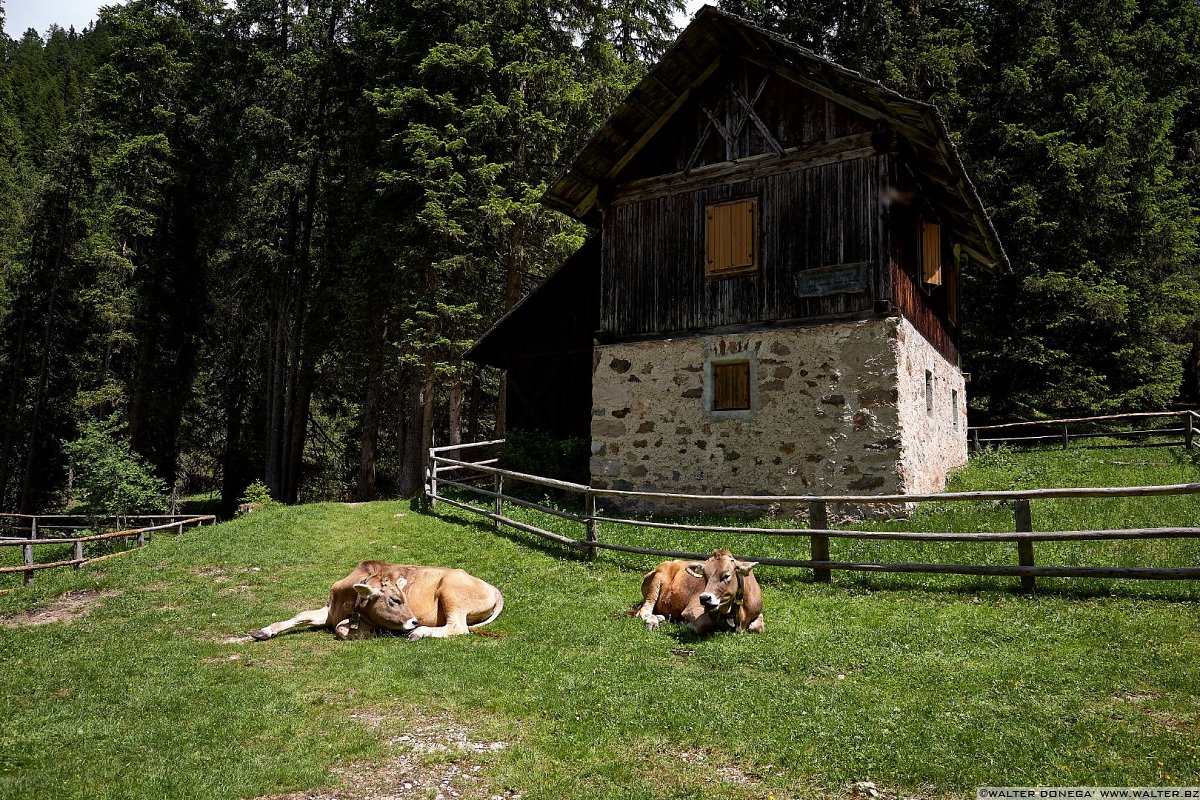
[{"x": 923, "y": 685}]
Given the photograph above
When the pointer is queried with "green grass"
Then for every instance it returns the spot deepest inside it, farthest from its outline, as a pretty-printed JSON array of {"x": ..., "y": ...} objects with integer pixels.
[{"x": 922, "y": 684}]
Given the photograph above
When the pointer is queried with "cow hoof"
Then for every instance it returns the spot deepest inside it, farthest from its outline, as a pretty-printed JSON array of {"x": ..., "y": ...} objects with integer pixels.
[
  {"x": 260, "y": 636},
  {"x": 652, "y": 624}
]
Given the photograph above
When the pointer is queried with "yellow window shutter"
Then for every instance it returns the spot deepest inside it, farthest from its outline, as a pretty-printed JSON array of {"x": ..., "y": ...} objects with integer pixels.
[
  {"x": 731, "y": 238},
  {"x": 931, "y": 253}
]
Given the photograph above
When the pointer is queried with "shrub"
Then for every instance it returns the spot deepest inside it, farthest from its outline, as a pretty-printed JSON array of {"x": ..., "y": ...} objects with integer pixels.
[
  {"x": 257, "y": 494},
  {"x": 109, "y": 478},
  {"x": 539, "y": 453}
]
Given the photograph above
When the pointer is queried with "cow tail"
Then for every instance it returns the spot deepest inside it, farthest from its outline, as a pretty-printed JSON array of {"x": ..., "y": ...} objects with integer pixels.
[{"x": 495, "y": 613}]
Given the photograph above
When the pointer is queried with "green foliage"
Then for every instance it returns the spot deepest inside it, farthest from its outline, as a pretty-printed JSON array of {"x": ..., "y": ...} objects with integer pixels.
[
  {"x": 539, "y": 453},
  {"x": 258, "y": 494},
  {"x": 109, "y": 479}
]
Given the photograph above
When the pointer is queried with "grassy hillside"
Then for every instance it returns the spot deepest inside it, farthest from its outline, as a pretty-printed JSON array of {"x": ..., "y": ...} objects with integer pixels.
[{"x": 922, "y": 685}]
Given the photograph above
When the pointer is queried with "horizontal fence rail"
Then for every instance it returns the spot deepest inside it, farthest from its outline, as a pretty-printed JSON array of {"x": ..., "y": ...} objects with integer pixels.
[
  {"x": 1070, "y": 428},
  {"x": 468, "y": 476},
  {"x": 30, "y": 532}
]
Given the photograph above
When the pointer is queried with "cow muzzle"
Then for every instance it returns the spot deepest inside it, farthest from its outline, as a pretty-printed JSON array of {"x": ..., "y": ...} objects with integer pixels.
[
  {"x": 411, "y": 625},
  {"x": 710, "y": 601}
]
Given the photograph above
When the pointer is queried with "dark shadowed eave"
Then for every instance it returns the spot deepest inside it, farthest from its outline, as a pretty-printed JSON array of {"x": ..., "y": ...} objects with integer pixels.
[
  {"x": 559, "y": 316},
  {"x": 697, "y": 53}
]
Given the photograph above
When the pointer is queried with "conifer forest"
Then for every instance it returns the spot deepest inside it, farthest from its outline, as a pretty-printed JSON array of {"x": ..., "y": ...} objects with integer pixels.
[{"x": 251, "y": 240}]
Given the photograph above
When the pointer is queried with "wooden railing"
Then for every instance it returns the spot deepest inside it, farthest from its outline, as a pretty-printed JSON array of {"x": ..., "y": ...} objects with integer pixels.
[
  {"x": 47, "y": 530},
  {"x": 468, "y": 474},
  {"x": 1010, "y": 432}
]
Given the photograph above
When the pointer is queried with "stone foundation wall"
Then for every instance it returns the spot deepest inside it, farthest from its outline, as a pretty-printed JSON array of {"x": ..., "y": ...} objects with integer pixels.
[
  {"x": 828, "y": 404},
  {"x": 933, "y": 439}
]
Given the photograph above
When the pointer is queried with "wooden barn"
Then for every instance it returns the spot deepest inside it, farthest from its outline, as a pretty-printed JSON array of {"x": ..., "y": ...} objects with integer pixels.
[{"x": 770, "y": 301}]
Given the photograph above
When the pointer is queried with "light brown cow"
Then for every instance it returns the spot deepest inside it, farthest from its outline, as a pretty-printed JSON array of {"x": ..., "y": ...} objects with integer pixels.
[
  {"x": 420, "y": 601},
  {"x": 720, "y": 594}
]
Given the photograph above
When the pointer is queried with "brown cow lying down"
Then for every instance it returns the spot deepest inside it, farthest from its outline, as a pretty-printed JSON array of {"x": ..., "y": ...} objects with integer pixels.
[
  {"x": 720, "y": 594},
  {"x": 419, "y": 601}
]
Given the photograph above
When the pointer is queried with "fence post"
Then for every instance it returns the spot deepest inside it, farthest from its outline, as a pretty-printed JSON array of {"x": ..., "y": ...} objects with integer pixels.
[
  {"x": 1024, "y": 524},
  {"x": 1066, "y": 437},
  {"x": 1189, "y": 433},
  {"x": 27, "y": 553},
  {"x": 141, "y": 538},
  {"x": 975, "y": 440},
  {"x": 589, "y": 511},
  {"x": 432, "y": 471},
  {"x": 78, "y": 554},
  {"x": 819, "y": 520},
  {"x": 498, "y": 501}
]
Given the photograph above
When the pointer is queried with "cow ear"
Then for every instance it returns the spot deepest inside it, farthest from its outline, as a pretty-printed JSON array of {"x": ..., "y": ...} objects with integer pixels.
[
  {"x": 695, "y": 569},
  {"x": 400, "y": 583},
  {"x": 744, "y": 567},
  {"x": 364, "y": 590}
]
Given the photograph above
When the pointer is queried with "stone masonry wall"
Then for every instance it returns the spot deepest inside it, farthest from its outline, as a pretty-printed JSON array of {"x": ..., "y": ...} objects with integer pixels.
[
  {"x": 827, "y": 407},
  {"x": 933, "y": 426}
]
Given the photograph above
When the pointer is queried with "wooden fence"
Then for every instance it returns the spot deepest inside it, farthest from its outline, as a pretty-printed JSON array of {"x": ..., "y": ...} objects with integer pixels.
[
  {"x": 1086, "y": 428},
  {"x": 51, "y": 530},
  {"x": 467, "y": 474}
]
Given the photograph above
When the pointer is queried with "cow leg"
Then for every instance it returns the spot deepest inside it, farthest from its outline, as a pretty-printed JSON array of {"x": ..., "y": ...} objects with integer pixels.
[
  {"x": 652, "y": 586},
  {"x": 699, "y": 623},
  {"x": 315, "y": 618},
  {"x": 756, "y": 626},
  {"x": 456, "y": 625}
]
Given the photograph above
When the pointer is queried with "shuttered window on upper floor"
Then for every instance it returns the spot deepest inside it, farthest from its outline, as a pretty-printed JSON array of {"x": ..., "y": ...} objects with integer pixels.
[
  {"x": 731, "y": 238},
  {"x": 931, "y": 252},
  {"x": 731, "y": 386}
]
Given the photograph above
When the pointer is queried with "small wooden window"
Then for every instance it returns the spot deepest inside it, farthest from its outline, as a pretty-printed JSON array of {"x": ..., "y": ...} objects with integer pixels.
[
  {"x": 731, "y": 386},
  {"x": 731, "y": 238},
  {"x": 931, "y": 253}
]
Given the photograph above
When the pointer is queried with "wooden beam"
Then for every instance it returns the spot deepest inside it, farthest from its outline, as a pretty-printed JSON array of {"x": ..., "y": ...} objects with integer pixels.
[
  {"x": 748, "y": 107},
  {"x": 841, "y": 149},
  {"x": 589, "y": 201},
  {"x": 721, "y": 129}
]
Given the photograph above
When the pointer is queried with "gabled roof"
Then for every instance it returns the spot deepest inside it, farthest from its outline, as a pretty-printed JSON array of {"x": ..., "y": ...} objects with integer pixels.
[{"x": 698, "y": 52}]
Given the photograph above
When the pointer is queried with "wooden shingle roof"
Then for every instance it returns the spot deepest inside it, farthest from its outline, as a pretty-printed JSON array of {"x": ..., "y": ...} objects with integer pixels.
[{"x": 714, "y": 35}]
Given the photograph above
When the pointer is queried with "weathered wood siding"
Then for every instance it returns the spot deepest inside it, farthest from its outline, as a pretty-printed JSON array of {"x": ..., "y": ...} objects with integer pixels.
[
  {"x": 794, "y": 116},
  {"x": 653, "y": 278},
  {"x": 929, "y": 308}
]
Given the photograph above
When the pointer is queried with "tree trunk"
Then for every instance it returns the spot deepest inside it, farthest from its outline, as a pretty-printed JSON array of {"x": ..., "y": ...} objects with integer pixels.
[
  {"x": 369, "y": 452},
  {"x": 455, "y": 411},
  {"x": 276, "y": 397},
  {"x": 502, "y": 406},
  {"x": 473, "y": 398},
  {"x": 418, "y": 433}
]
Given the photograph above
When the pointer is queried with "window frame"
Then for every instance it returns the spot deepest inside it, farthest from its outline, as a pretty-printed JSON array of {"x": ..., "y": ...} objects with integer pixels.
[{"x": 711, "y": 365}]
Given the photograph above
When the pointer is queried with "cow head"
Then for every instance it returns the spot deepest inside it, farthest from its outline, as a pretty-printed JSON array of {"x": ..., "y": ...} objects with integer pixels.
[
  {"x": 723, "y": 577},
  {"x": 381, "y": 600}
]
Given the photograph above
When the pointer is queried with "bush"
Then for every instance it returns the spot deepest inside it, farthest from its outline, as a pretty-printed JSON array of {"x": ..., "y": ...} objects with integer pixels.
[
  {"x": 109, "y": 478},
  {"x": 257, "y": 494},
  {"x": 541, "y": 454}
]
